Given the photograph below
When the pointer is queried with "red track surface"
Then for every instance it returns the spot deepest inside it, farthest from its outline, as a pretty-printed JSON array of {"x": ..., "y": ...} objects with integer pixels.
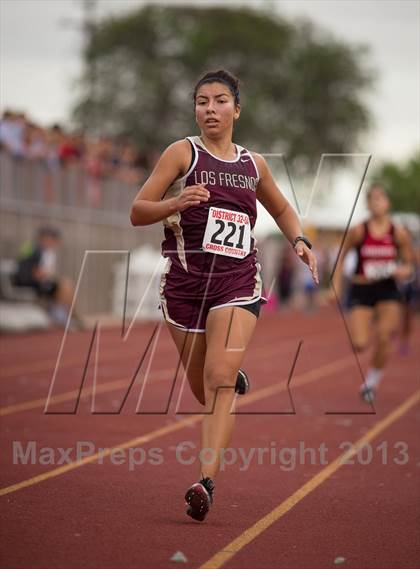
[{"x": 93, "y": 515}]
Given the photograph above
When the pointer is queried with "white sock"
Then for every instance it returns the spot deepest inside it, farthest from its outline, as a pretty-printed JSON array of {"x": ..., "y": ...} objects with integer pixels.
[{"x": 373, "y": 377}]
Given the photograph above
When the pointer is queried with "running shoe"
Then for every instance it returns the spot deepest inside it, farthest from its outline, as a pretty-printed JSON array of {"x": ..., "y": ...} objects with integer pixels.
[
  {"x": 242, "y": 383},
  {"x": 199, "y": 498},
  {"x": 367, "y": 394}
]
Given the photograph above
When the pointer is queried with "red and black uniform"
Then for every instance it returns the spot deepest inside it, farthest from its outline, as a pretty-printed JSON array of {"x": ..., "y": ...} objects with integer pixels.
[
  {"x": 210, "y": 248},
  {"x": 376, "y": 260}
]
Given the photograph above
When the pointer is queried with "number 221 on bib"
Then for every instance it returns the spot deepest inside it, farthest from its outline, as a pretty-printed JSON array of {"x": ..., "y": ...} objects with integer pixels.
[{"x": 227, "y": 233}]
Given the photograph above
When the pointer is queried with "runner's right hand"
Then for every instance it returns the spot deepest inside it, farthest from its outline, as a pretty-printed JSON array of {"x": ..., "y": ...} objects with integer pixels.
[
  {"x": 332, "y": 296},
  {"x": 192, "y": 195}
]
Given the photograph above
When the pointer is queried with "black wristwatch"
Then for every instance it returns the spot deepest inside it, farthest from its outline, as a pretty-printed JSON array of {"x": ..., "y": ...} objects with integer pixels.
[{"x": 304, "y": 239}]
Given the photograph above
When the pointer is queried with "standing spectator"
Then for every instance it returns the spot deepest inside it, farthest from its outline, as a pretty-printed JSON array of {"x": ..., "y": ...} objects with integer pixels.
[
  {"x": 35, "y": 142},
  {"x": 12, "y": 133},
  {"x": 94, "y": 168},
  {"x": 70, "y": 150},
  {"x": 285, "y": 276},
  {"x": 54, "y": 138}
]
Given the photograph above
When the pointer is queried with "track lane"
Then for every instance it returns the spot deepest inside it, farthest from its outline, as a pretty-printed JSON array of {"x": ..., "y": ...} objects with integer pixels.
[{"x": 139, "y": 527}]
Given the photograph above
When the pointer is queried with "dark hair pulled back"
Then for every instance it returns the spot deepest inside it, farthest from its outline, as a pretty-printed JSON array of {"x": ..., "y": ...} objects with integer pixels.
[{"x": 220, "y": 76}]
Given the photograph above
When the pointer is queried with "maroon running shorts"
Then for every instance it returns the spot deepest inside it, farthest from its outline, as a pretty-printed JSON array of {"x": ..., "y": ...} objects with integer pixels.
[{"x": 187, "y": 297}]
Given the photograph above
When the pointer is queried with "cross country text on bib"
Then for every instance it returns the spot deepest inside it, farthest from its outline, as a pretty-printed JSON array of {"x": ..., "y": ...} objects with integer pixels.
[{"x": 227, "y": 233}]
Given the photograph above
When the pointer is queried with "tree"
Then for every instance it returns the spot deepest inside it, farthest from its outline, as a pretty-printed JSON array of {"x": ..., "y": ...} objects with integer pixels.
[
  {"x": 403, "y": 183},
  {"x": 302, "y": 90}
]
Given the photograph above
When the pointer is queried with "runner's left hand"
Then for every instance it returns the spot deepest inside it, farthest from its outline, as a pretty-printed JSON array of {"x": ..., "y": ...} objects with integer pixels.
[{"x": 309, "y": 258}]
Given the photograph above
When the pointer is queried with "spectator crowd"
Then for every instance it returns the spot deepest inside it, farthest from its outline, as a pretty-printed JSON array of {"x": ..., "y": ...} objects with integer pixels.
[{"x": 56, "y": 148}]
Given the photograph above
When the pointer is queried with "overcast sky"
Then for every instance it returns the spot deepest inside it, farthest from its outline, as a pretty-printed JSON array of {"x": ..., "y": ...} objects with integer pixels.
[{"x": 40, "y": 47}]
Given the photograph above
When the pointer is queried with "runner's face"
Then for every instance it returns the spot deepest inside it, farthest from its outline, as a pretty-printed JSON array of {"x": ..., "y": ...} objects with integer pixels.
[
  {"x": 378, "y": 202},
  {"x": 215, "y": 108}
]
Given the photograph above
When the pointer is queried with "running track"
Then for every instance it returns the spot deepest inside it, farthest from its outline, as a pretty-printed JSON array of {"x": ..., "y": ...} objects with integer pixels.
[{"x": 359, "y": 511}]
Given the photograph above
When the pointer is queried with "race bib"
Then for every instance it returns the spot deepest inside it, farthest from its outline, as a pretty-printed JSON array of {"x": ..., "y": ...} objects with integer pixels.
[
  {"x": 227, "y": 233},
  {"x": 377, "y": 270}
]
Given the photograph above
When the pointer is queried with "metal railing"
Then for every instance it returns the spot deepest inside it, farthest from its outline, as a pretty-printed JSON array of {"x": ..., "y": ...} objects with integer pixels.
[
  {"x": 91, "y": 213},
  {"x": 65, "y": 192}
]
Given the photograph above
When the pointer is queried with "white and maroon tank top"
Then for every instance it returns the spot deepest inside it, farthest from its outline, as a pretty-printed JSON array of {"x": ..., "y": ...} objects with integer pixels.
[
  {"x": 223, "y": 225},
  {"x": 377, "y": 256}
]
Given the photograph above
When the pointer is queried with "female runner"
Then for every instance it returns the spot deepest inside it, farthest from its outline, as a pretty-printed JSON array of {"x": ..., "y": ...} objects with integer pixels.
[
  {"x": 204, "y": 190},
  {"x": 384, "y": 256}
]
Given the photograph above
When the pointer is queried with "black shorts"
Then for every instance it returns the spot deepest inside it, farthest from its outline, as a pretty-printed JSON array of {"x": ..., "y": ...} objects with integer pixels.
[
  {"x": 255, "y": 307},
  {"x": 408, "y": 292},
  {"x": 371, "y": 293},
  {"x": 44, "y": 289},
  {"x": 47, "y": 288}
]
